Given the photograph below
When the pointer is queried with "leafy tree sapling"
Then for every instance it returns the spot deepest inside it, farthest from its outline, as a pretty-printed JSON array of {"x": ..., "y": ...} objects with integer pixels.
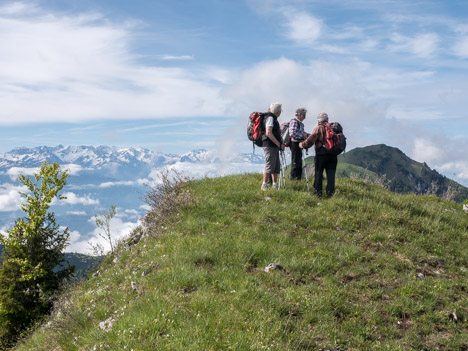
[{"x": 33, "y": 267}]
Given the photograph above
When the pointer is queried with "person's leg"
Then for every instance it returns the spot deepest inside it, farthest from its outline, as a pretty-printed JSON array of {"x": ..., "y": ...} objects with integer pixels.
[
  {"x": 330, "y": 168},
  {"x": 319, "y": 167},
  {"x": 274, "y": 178},
  {"x": 275, "y": 166},
  {"x": 296, "y": 161},
  {"x": 268, "y": 168}
]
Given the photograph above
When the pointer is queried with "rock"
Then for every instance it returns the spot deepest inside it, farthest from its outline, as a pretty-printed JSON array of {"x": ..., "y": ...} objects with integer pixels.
[
  {"x": 272, "y": 267},
  {"x": 421, "y": 275},
  {"x": 134, "y": 285},
  {"x": 453, "y": 316},
  {"x": 107, "y": 324}
]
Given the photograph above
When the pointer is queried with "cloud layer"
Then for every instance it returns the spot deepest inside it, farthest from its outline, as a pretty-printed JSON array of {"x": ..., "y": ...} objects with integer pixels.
[{"x": 57, "y": 68}]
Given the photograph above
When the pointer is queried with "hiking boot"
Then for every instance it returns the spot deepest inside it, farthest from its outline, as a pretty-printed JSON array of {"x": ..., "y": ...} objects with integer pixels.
[
  {"x": 275, "y": 186},
  {"x": 264, "y": 187}
]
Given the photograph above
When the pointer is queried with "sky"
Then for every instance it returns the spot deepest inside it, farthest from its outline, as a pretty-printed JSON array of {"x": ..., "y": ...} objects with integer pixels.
[{"x": 173, "y": 76}]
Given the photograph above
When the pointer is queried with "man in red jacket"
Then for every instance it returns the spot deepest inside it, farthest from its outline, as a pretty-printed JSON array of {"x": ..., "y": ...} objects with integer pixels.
[{"x": 323, "y": 160}]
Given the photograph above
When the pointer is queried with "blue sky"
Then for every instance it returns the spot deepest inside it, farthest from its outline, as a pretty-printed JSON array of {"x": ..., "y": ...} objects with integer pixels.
[{"x": 173, "y": 76}]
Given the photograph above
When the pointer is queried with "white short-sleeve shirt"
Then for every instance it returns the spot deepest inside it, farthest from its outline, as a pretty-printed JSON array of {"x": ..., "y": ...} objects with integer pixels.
[{"x": 270, "y": 122}]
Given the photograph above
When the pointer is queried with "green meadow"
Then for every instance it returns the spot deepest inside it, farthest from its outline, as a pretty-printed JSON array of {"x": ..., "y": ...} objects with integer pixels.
[{"x": 364, "y": 270}]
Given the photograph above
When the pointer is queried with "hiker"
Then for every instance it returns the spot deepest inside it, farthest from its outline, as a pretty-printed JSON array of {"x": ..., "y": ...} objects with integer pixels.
[
  {"x": 323, "y": 159},
  {"x": 297, "y": 134},
  {"x": 271, "y": 142}
]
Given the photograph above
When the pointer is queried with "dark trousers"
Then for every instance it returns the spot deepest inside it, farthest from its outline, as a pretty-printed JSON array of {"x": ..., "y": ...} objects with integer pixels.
[
  {"x": 327, "y": 163},
  {"x": 296, "y": 161}
]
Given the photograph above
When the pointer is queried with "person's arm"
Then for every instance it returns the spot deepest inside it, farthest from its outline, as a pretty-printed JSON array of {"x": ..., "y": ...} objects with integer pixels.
[
  {"x": 309, "y": 141},
  {"x": 270, "y": 135}
]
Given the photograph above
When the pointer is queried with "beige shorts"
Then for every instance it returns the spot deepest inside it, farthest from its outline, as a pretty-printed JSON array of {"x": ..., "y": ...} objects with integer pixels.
[{"x": 272, "y": 164}]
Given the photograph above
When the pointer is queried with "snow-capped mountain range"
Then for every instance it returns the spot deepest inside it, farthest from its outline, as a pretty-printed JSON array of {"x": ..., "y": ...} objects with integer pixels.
[
  {"x": 105, "y": 176},
  {"x": 102, "y": 156}
]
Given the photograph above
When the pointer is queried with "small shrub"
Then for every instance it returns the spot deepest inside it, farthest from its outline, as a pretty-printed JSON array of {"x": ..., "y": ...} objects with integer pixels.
[
  {"x": 450, "y": 194},
  {"x": 163, "y": 199},
  {"x": 103, "y": 223}
]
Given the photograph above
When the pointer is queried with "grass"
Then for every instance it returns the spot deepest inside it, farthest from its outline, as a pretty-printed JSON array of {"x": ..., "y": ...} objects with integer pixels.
[{"x": 364, "y": 270}]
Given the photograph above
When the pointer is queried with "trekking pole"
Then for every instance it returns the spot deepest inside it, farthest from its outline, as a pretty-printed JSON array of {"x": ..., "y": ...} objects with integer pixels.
[
  {"x": 282, "y": 160},
  {"x": 284, "y": 169},
  {"x": 280, "y": 176},
  {"x": 281, "y": 171},
  {"x": 305, "y": 169}
]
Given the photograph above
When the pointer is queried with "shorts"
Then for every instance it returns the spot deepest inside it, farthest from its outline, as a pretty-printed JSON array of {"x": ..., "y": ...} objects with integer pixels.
[{"x": 272, "y": 164}]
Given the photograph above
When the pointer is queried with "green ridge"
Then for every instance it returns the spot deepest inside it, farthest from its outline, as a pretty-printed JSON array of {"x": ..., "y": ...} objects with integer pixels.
[
  {"x": 365, "y": 270},
  {"x": 404, "y": 174}
]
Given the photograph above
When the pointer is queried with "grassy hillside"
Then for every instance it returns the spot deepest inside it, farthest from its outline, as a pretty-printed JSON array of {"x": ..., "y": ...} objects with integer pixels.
[{"x": 365, "y": 270}]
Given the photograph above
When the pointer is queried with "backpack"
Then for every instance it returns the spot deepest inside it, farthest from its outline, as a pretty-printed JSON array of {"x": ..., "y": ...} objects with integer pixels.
[
  {"x": 285, "y": 138},
  {"x": 336, "y": 141},
  {"x": 256, "y": 128}
]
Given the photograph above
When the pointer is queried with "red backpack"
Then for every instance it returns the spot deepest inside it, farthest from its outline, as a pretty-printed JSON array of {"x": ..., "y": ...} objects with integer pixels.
[
  {"x": 336, "y": 141},
  {"x": 256, "y": 128}
]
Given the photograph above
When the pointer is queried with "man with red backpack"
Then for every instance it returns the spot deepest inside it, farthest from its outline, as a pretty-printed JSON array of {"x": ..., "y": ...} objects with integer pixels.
[
  {"x": 297, "y": 134},
  {"x": 324, "y": 160},
  {"x": 271, "y": 143}
]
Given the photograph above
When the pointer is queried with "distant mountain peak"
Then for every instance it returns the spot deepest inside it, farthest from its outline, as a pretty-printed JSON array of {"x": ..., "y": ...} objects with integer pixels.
[{"x": 405, "y": 174}]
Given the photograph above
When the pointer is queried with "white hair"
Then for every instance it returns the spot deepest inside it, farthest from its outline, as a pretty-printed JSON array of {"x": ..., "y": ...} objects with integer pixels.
[
  {"x": 275, "y": 108},
  {"x": 322, "y": 117}
]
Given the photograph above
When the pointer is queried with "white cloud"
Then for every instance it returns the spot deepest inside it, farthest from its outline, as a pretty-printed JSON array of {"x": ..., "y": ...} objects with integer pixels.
[
  {"x": 10, "y": 198},
  {"x": 212, "y": 170},
  {"x": 16, "y": 8},
  {"x": 73, "y": 199},
  {"x": 14, "y": 172},
  {"x": 56, "y": 67},
  {"x": 462, "y": 28},
  {"x": 3, "y": 231},
  {"x": 119, "y": 230},
  {"x": 302, "y": 28},
  {"x": 73, "y": 169},
  {"x": 426, "y": 150},
  {"x": 460, "y": 49},
  {"x": 176, "y": 58},
  {"x": 132, "y": 214},
  {"x": 422, "y": 45},
  {"x": 76, "y": 213},
  {"x": 459, "y": 169},
  {"x": 118, "y": 183},
  {"x": 146, "y": 207}
]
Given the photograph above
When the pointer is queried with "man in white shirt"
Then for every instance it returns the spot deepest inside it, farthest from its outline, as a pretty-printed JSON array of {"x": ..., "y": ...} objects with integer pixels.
[{"x": 272, "y": 146}]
